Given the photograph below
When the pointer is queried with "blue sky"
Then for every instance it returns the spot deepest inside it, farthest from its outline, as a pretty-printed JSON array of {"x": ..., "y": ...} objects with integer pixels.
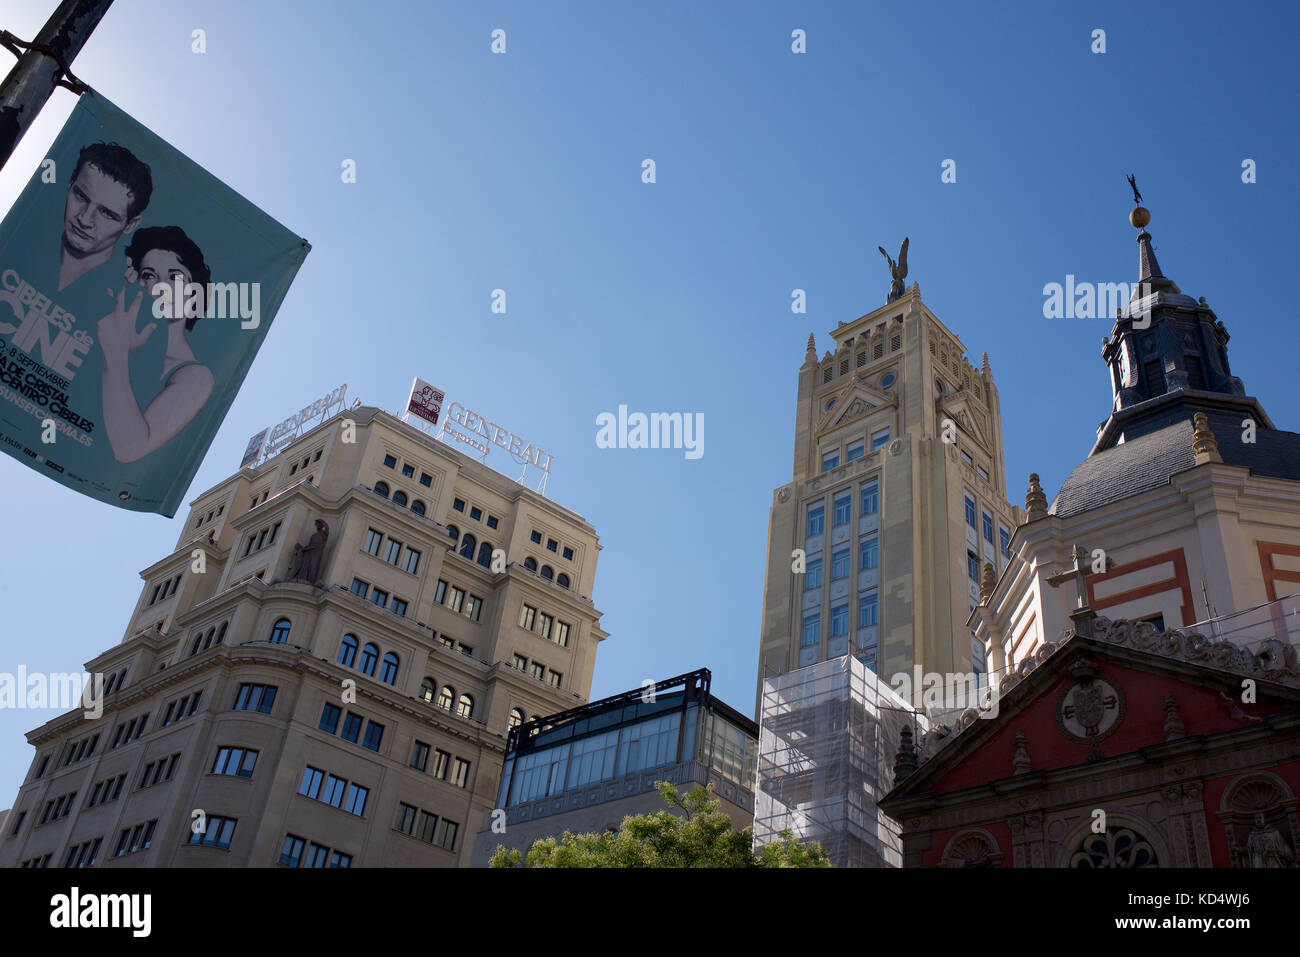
[{"x": 775, "y": 171}]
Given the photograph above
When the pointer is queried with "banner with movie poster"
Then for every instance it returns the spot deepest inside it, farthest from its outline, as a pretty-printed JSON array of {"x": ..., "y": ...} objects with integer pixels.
[{"x": 135, "y": 290}]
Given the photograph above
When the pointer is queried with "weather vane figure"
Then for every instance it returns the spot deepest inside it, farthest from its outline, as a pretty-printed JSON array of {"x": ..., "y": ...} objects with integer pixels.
[{"x": 897, "y": 271}]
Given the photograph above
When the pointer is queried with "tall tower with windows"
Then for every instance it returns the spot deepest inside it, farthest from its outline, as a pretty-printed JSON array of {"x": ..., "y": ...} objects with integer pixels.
[{"x": 898, "y": 498}]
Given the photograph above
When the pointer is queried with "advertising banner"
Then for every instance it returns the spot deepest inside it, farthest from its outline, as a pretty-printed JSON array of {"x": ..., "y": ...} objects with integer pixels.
[{"x": 135, "y": 290}]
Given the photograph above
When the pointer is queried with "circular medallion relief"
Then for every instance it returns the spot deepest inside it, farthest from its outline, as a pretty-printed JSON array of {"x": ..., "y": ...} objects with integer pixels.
[
  {"x": 887, "y": 380},
  {"x": 1090, "y": 709}
]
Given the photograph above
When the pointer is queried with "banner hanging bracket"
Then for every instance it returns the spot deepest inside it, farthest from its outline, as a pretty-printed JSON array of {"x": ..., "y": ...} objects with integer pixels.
[{"x": 65, "y": 79}]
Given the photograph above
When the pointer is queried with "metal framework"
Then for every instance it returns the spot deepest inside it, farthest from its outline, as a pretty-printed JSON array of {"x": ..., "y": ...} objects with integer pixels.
[{"x": 828, "y": 734}]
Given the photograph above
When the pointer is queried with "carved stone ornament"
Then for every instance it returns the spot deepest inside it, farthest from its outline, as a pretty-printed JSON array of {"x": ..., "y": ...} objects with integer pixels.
[{"x": 1091, "y": 707}]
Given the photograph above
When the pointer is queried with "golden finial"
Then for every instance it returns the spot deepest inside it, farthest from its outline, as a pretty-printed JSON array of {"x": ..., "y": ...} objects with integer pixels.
[{"x": 1140, "y": 216}]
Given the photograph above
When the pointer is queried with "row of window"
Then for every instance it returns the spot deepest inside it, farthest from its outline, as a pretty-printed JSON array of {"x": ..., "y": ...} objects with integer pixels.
[
  {"x": 256, "y": 501},
  {"x": 369, "y": 658},
  {"x": 442, "y": 764},
  {"x": 84, "y": 854},
  {"x": 390, "y": 550},
  {"x": 200, "y": 521},
  {"x": 115, "y": 682},
  {"x": 448, "y": 642},
  {"x": 329, "y": 722},
  {"x": 551, "y": 544},
  {"x": 36, "y": 862},
  {"x": 1004, "y": 536},
  {"x": 445, "y": 698},
  {"x": 136, "y": 838},
  {"x": 254, "y": 697},
  {"x": 540, "y": 623},
  {"x": 106, "y": 790},
  {"x": 426, "y": 826},
  {"x": 56, "y": 809},
  {"x": 467, "y": 544},
  {"x": 316, "y": 855},
  {"x": 408, "y": 470},
  {"x": 877, "y": 351},
  {"x": 475, "y": 512},
  {"x": 129, "y": 731},
  {"x": 235, "y": 761},
  {"x": 868, "y": 558},
  {"x": 538, "y": 670},
  {"x": 335, "y": 791},
  {"x": 530, "y": 564},
  {"x": 155, "y": 772},
  {"x": 260, "y": 540},
  {"x": 217, "y": 833},
  {"x": 457, "y": 599},
  {"x": 868, "y": 615},
  {"x": 216, "y": 635},
  {"x": 399, "y": 498},
  {"x": 854, "y": 450},
  {"x": 842, "y": 508},
  {"x": 181, "y": 708},
  {"x": 306, "y": 460},
  {"x": 164, "y": 588},
  {"x": 377, "y": 596},
  {"x": 79, "y": 750}
]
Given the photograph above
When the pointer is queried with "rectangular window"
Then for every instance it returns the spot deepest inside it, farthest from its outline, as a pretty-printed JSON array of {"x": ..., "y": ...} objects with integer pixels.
[
  {"x": 535, "y": 537},
  {"x": 493, "y": 521},
  {"x": 839, "y": 619},
  {"x": 398, "y": 607},
  {"x": 870, "y": 498},
  {"x": 457, "y": 600},
  {"x": 970, "y": 511},
  {"x": 527, "y": 615},
  {"x": 855, "y": 450},
  {"x": 291, "y": 853},
  {"x": 879, "y": 439},
  {"x": 372, "y": 542},
  {"x": 983, "y": 473},
  {"x": 446, "y": 837},
  {"x": 329, "y": 719},
  {"x": 237, "y": 761},
  {"x": 473, "y": 607},
  {"x": 360, "y": 588},
  {"x": 440, "y": 592},
  {"x": 568, "y": 554},
  {"x": 253, "y": 698},
  {"x": 412, "y": 563},
  {"x": 393, "y": 552},
  {"x": 544, "y": 623},
  {"x": 988, "y": 527},
  {"x": 339, "y": 859},
  {"x": 521, "y": 662},
  {"x": 538, "y": 670},
  {"x": 556, "y": 678},
  {"x": 843, "y": 508},
  {"x": 220, "y": 831},
  {"x": 374, "y": 735},
  {"x": 312, "y": 778},
  {"x": 390, "y": 462},
  {"x": 965, "y": 457},
  {"x": 441, "y": 759},
  {"x": 427, "y": 825},
  {"x": 352, "y": 727},
  {"x": 460, "y": 773},
  {"x": 973, "y": 566},
  {"x": 1005, "y": 540},
  {"x": 408, "y": 471},
  {"x": 458, "y": 504},
  {"x": 870, "y": 557},
  {"x": 816, "y": 518},
  {"x": 831, "y": 460},
  {"x": 867, "y": 610},
  {"x": 379, "y": 597},
  {"x": 552, "y": 545},
  {"x": 840, "y": 564},
  {"x": 405, "y": 821},
  {"x": 812, "y": 631},
  {"x": 332, "y": 793},
  {"x": 420, "y": 756},
  {"x": 561, "y": 637},
  {"x": 355, "y": 802},
  {"x": 476, "y": 513},
  {"x": 426, "y": 479}
]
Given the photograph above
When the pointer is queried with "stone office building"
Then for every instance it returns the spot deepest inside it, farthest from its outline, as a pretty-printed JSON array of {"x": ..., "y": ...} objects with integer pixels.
[{"x": 324, "y": 670}]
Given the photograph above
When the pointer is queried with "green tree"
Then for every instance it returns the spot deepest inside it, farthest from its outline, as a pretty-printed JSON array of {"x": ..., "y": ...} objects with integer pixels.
[{"x": 702, "y": 837}]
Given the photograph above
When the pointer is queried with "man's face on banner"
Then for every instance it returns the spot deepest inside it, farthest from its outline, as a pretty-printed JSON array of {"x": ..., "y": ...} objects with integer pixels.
[{"x": 95, "y": 216}]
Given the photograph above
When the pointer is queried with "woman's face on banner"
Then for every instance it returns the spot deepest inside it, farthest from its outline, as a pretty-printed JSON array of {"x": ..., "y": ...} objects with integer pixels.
[{"x": 164, "y": 266}]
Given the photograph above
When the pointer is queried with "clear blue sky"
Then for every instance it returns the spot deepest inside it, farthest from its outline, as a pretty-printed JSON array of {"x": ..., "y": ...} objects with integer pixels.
[{"x": 775, "y": 171}]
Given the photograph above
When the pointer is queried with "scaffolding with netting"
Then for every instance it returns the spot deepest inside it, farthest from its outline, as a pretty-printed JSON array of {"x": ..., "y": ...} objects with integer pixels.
[{"x": 828, "y": 735}]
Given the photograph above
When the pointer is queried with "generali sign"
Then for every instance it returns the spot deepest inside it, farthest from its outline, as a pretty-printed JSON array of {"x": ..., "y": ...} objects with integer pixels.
[{"x": 475, "y": 424}]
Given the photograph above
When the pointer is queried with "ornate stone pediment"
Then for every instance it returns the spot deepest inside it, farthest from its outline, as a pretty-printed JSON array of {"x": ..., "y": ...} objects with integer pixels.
[
  {"x": 854, "y": 401},
  {"x": 968, "y": 416}
]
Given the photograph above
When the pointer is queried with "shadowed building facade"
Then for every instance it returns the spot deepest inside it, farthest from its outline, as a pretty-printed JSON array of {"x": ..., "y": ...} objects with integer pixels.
[{"x": 325, "y": 669}]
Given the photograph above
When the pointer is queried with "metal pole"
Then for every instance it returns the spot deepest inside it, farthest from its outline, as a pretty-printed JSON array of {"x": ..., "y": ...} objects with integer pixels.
[{"x": 33, "y": 78}]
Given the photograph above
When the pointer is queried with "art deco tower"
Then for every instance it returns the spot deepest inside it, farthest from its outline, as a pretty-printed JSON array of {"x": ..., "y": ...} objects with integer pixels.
[{"x": 897, "y": 499}]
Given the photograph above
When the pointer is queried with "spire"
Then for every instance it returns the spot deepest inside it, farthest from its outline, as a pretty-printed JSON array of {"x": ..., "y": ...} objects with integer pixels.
[
  {"x": 984, "y": 366},
  {"x": 905, "y": 761},
  {"x": 1149, "y": 274},
  {"x": 810, "y": 355},
  {"x": 1035, "y": 500}
]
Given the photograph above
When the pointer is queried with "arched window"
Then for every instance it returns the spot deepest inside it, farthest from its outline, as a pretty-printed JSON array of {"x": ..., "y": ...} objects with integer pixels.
[
  {"x": 453, "y": 531},
  {"x": 108, "y": 685},
  {"x": 417, "y": 507},
  {"x": 485, "y": 554},
  {"x": 221, "y": 633},
  {"x": 547, "y": 572},
  {"x": 194, "y": 648},
  {"x": 467, "y": 546},
  {"x": 445, "y": 698},
  {"x": 465, "y": 706},
  {"x": 516, "y": 718},
  {"x": 388, "y": 675},
  {"x": 348, "y": 651},
  {"x": 369, "y": 655},
  {"x": 280, "y": 632},
  {"x": 530, "y": 563},
  {"x": 428, "y": 689},
  {"x": 562, "y": 580},
  {"x": 399, "y": 498},
  {"x": 381, "y": 489},
  {"x": 207, "y": 639}
]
